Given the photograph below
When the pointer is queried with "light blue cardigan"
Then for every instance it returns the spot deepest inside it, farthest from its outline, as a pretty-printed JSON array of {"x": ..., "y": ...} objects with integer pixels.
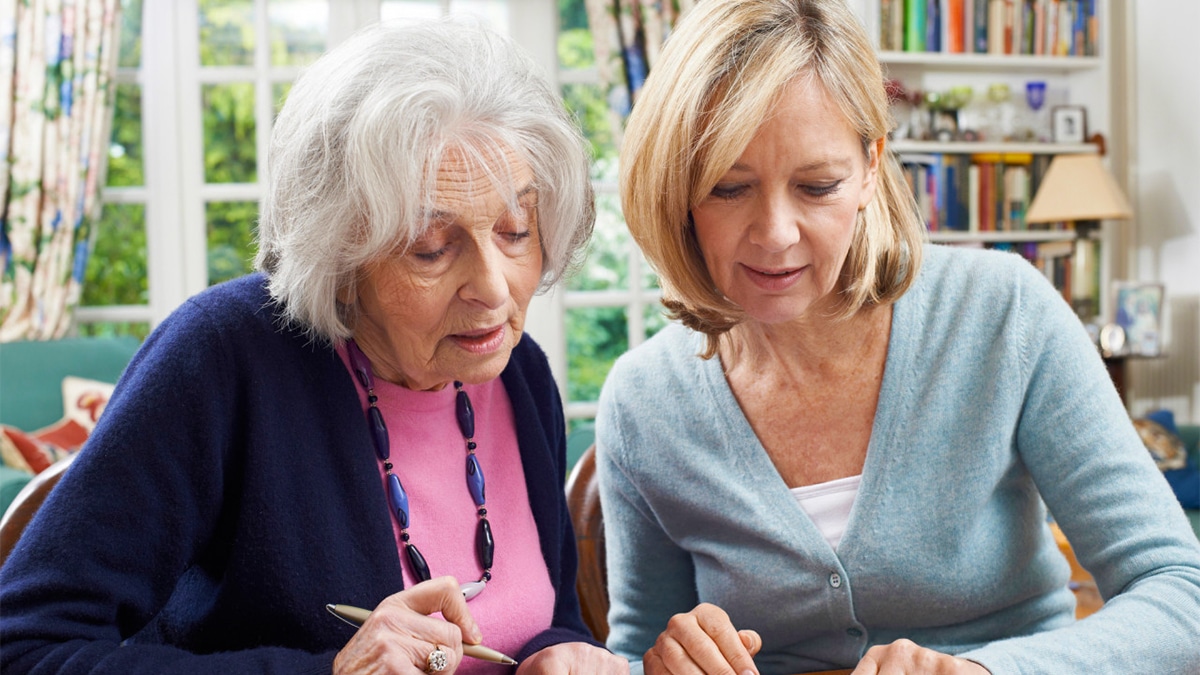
[{"x": 992, "y": 401}]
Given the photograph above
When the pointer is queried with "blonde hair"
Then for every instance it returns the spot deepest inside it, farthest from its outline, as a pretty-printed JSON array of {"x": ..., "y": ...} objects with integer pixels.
[
  {"x": 718, "y": 77},
  {"x": 355, "y": 151}
]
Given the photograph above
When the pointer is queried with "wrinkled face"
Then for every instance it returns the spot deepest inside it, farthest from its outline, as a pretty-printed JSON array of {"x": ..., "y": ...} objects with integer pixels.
[
  {"x": 776, "y": 228},
  {"x": 452, "y": 307}
]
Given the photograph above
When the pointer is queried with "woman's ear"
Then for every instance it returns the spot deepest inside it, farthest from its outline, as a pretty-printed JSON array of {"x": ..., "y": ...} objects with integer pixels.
[{"x": 875, "y": 151}]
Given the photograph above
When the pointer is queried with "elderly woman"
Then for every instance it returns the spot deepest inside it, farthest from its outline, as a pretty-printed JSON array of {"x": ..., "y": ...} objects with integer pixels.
[
  {"x": 319, "y": 433},
  {"x": 847, "y": 450}
]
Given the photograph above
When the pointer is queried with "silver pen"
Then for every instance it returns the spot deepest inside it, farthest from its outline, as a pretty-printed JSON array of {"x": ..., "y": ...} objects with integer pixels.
[{"x": 356, "y": 616}]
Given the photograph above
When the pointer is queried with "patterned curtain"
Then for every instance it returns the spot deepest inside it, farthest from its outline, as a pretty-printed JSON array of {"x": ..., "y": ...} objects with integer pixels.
[
  {"x": 57, "y": 64},
  {"x": 627, "y": 36}
]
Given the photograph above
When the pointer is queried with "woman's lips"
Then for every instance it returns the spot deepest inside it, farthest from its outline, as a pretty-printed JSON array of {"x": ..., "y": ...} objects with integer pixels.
[
  {"x": 484, "y": 341},
  {"x": 773, "y": 279}
]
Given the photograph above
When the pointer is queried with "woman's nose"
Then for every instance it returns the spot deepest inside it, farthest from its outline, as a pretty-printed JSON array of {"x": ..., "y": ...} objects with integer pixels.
[
  {"x": 486, "y": 279},
  {"x": 776, "y": 226}
]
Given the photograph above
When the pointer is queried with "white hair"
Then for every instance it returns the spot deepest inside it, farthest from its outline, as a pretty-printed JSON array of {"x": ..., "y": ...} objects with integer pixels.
[{"x": 355, "y": 153}]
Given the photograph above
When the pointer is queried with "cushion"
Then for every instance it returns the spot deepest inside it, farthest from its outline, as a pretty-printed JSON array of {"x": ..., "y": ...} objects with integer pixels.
[
  {"x": 33, "y": 451},
  {"x": 1182, "y": 471}
]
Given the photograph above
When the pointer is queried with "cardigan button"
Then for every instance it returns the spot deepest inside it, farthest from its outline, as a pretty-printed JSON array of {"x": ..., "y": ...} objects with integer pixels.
[{"x": 835, "y": 580}]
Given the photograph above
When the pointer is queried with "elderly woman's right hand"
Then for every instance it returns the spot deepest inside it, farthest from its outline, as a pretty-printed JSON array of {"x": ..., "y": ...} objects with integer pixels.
[
  {"x": 703, "y": 640},
  {"x": 399, "y": 635}
]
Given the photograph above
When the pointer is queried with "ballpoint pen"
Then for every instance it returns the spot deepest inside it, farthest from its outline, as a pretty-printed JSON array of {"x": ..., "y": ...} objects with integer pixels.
[{"x": 355, "y": 616}]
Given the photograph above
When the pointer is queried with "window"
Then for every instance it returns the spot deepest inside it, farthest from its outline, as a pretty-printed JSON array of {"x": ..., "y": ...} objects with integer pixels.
[
  {"x": 199, "y": 84},
  {"x": 613, "y": 304}
]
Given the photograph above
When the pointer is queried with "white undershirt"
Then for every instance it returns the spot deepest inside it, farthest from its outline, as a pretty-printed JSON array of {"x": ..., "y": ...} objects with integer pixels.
[{"x": 828, "y": 504}]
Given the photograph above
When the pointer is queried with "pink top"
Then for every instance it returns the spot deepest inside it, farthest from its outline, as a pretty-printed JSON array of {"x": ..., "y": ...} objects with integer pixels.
[{"x": 429, "y": 454}]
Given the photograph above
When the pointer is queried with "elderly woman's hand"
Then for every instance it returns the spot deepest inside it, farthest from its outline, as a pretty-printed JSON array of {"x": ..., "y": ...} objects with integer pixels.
[
  {"x": 906, "y": 656},
  {"x": 399, "y": 635},
  {"x": 703, "y": 640},
  {"x": 570, "y": 658}
]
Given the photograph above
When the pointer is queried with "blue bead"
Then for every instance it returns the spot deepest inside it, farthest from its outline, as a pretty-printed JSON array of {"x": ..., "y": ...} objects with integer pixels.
[
  {"x": 379, "y": 434},
  {"x": 399, "y": 499},
  {"x": 475, "y": 480},
  {"x": 466, "y": 414}
]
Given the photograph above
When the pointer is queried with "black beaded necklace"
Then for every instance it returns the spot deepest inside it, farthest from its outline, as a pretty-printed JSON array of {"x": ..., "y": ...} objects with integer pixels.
[{"x": 484, "y": 544}]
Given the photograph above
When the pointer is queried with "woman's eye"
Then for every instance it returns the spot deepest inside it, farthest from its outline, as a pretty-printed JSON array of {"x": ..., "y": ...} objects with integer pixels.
[
  {"x": 821, "y": 190},
  {"x": 430, "y": 256},
  {"x": 517, "y": 237},
  {"x": 728, "y": 191}
]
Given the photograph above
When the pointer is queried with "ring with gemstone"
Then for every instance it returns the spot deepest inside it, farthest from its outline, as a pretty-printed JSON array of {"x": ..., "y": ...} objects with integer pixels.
[{"x": 436, "y": 661}]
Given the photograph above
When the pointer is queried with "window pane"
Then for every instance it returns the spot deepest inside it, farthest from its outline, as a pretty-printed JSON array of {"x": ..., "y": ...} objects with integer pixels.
[
  {"x": 399, "y": 10},
  {"x": 655, "y": 319},
  {"x": 596, "y": 120},
  {"x": 229, "y": 148},
  {"x": 130, "y": 55},
  {"x": 607, "y": 264},
  {"x": 125, "y": 148},
  {"x": 138, "y": 329},
  {"x": 279, "y": 92},
  {"x": 299, "y": 31},
  {"x": 116, "y": 271},
  {"x": 226, "y": 32},
  {"x": 231, "y": 234},
  {"x": 572, "y": 15},
  {"x": 596, "y": 336}
]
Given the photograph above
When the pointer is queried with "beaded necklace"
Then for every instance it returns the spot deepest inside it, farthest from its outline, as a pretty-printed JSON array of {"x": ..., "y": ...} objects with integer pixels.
[{"x": 484, "y": 544}]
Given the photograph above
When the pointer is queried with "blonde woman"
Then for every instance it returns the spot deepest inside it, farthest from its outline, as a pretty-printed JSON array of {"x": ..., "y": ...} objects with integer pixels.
[{"x": 843, "y": 454}]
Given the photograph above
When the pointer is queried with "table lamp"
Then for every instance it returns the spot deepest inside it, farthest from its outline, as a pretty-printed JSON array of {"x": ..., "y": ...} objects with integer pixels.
[{"x": 1079, "y": 190}]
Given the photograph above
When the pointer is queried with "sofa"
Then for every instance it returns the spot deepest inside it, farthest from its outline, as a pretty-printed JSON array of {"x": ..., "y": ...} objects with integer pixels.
[{"x": 42, "y": 387}]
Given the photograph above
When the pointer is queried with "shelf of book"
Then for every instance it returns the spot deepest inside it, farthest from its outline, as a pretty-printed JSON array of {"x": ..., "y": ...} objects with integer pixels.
[
  {"x": 980, "y": 147},
  {"x": 991, "y": 62},
  {"x": 1026, "y": 236},
  {"x": 1031, "y": 28}
]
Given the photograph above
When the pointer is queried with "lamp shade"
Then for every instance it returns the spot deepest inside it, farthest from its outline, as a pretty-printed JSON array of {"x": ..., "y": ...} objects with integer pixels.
[{"x": 1077, "y": 187}]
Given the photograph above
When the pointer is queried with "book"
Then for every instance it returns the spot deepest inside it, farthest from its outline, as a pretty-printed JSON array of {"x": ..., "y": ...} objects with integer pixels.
[
  {"x": 953, "y": 34},
  {"x": 914, "y": 25}
]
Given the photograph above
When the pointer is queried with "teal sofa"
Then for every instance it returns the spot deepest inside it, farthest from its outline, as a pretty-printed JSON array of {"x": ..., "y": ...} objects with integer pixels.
[{"x": 31, "y": 375}]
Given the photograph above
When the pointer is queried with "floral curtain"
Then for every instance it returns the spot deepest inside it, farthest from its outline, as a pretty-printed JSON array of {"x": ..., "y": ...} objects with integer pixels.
[
  {"x": 57, "y": 67},
  {"x": 627, "y": 36}
]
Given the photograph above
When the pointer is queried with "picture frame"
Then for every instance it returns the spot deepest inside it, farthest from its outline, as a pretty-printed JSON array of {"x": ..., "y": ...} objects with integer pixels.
[
  {"x": 1138, "y": 311},
  {"x": 1068, "y": 123}
]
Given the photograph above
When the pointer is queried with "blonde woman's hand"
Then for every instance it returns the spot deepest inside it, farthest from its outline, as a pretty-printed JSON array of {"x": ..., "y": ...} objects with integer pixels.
[
  {"x": 399, "y": 635},
  {"x": 703, "y": 640},
  {"x": 906, "y": 656},
  {"x": 573, "y": 658}
]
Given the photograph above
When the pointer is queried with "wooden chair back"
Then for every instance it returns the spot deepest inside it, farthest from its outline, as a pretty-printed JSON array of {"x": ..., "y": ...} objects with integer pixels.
[
  {"x": 27, "y": 502},
  {"x": 583, "y": 500}
]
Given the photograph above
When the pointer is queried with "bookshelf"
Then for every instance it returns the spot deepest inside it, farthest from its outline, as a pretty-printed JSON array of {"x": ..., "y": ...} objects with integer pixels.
[{"x": 1075, "y": 68}]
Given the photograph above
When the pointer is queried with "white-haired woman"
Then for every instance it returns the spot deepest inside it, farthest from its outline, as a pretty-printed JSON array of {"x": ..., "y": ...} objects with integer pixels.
[
  {"x": 845, "y": 456},
  {"x": 318, "y": 433}
]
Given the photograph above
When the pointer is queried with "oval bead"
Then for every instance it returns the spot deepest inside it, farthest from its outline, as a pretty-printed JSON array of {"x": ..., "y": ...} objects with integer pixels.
[
  {"x": 399, "y": 499},
  {"x": 485, "y": 546},
  {"x": 475, "y": 480},
  {"x": 472, "y": 588},
  {"x": 420, "y": 567},
  {"x": 379, "y": 433},
  {"x": 361, "y": 366},
  {"x": 465, "y": 413}
]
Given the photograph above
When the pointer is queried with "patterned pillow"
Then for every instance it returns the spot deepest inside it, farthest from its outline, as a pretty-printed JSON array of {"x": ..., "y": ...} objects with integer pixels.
[
  {"x": 1165, "y": 447},
  {"x": 83, "y": 401}
]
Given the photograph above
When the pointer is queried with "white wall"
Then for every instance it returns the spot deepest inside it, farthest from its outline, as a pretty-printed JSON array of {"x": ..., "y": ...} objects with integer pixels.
[{"x": 1165, "y": 180}]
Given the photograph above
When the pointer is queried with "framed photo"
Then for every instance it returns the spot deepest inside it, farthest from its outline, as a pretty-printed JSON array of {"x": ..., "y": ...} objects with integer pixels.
[
  {"x": 1069, "y": 123},
  {"x": 1138, "y": 312}
]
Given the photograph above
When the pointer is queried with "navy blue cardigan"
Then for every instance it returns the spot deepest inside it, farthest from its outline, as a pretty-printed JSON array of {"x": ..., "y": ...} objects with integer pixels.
[{"x": 225, "y": 498}]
